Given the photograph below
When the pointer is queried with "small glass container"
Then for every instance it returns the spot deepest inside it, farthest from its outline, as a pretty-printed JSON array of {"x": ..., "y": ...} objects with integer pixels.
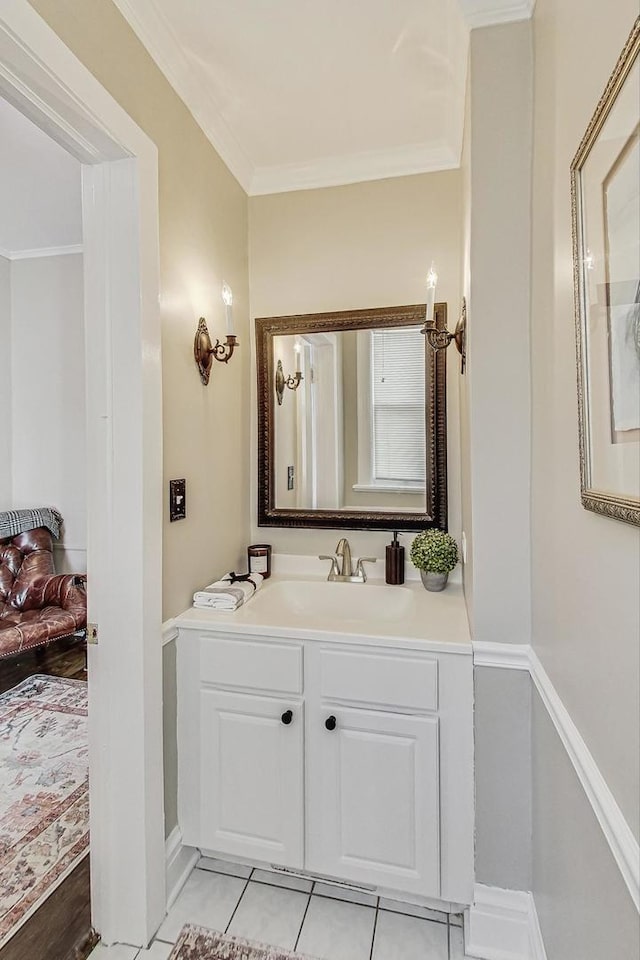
[{"x": 259, "y": 559}]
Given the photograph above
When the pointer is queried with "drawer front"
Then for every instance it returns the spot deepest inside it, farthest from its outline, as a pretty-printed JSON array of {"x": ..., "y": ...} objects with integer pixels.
[
  {"x": 250, "y": 665},
  {"x": 379, "y": 679}
]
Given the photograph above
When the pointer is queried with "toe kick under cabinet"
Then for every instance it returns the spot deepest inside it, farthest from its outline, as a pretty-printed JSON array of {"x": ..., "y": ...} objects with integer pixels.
[{"x": 348, "y": 760}]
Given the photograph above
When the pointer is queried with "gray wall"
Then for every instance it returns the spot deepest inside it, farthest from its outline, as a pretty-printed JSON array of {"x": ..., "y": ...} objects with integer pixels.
[
  {"x": 169, "y": 733},
  {"x": 503, "y": 777},
  {"x": 584, "y": 908}
]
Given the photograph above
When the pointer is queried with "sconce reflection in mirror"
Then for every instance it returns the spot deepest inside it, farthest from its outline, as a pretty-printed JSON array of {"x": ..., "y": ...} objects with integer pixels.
[
  {"x": 281, "y": 382},
  {"x": 440, "y": 339},
  {"x": 204, "y": 351}
]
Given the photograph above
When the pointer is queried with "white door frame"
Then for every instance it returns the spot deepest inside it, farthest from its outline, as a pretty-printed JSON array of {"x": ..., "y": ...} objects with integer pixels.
[{"x": 46, "y": 82}]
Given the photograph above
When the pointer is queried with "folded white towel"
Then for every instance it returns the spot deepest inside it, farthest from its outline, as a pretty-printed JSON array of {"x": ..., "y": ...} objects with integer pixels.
[{"x": 228, "y": 593}]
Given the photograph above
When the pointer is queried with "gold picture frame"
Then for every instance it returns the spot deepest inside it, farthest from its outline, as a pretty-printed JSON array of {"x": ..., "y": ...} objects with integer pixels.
[{"x": 605, "y": 204}]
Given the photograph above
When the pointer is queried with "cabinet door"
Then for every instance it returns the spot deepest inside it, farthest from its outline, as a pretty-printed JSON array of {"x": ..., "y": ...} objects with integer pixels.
[
  {"x": 251, "y": 788},
  {"x": 373, "y": 798}
]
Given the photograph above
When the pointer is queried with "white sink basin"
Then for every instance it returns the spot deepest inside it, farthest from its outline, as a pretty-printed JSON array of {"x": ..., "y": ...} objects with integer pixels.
[{"x": 324, "y": 600}]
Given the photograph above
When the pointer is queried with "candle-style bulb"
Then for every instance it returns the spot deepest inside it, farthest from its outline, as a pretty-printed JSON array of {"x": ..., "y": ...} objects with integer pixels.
[
  {"x": 432, "y": 279},
  {"x": 227, "y": 297}
]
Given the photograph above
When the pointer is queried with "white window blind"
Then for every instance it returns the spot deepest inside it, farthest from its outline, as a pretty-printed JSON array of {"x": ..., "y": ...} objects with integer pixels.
[{"x": 398, "y": 396}]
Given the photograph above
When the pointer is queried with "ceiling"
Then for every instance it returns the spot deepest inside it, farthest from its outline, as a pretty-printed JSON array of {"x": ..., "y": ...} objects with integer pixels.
[
  {"x": 40, "y": 188},
  {"x": 297, "y": 94}
]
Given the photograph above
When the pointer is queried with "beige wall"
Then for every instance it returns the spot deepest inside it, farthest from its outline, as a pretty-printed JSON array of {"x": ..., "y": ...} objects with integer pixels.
[
  {"x": 586, "y": 568},
  {"x": 203, "y": 242},
  {"x": 358, "y": 246},
  {"x": 496, "y": 393}
]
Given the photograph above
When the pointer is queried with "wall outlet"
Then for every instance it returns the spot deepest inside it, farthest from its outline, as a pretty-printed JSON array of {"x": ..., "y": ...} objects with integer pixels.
[
  {"x": 290, "y": 477},
  {"x": 177, "y": 500}
]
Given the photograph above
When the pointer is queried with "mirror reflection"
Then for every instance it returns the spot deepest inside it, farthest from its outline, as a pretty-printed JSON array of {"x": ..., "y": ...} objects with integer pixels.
[
  {"x": 349, "y": 430},
  {"x": 352, "y": 428}
]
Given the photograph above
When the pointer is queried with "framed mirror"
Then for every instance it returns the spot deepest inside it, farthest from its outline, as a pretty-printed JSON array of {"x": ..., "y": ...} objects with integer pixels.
[
  {"x": 352, "y": 420},
  {"x": 605, "y": 194}
]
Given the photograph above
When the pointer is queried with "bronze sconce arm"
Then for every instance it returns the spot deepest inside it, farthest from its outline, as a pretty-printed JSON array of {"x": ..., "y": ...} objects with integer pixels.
[
  {"x": 292, "y": 383},
  {"x": 440, "y": 339},
  {"x": 205, "y": 352}
]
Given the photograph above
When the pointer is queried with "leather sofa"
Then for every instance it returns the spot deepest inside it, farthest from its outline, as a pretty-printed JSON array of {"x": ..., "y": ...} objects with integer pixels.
[{"x": 36, "y": 605}]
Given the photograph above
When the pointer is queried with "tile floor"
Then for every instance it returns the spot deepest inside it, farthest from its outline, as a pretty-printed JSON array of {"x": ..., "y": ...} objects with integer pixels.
[{"x": 317, "y": 919}]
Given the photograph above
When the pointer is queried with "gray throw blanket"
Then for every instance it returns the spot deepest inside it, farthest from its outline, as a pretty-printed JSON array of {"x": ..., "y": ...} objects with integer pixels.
[{"x": 13, "y": 522}]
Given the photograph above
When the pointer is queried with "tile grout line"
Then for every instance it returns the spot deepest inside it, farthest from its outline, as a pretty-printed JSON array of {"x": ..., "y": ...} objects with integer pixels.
[
  {"x": 244, "y": 889},
  {"x": 304, "y": 917},
  {"x": 327, "y": 896},
  {"x": 375, "y": 925}
]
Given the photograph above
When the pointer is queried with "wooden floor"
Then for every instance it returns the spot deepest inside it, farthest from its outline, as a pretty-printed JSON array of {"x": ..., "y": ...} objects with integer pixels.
[
  {"x": 60, "y": 929},
  {"x": 62, "y": 658}
]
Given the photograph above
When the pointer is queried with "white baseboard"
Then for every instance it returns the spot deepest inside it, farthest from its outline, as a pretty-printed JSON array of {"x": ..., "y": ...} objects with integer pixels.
[
  {"x": 180, "y": 861},
  {"x": 502, "y": 925}
]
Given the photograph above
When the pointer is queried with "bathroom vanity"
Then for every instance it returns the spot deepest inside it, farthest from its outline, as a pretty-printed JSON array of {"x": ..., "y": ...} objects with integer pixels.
[{"x": 327, "y": 729}]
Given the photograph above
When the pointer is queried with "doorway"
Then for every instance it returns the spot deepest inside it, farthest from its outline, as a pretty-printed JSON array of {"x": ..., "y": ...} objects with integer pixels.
[{"x": 42, "y": 79}]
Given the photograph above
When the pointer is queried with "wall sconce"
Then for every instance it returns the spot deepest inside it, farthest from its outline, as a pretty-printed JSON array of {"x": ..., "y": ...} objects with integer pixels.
[
  {"x": 440, "y": 339},
  {"x": 281, "y": 382},
  {"x": 204, "y": 351}
]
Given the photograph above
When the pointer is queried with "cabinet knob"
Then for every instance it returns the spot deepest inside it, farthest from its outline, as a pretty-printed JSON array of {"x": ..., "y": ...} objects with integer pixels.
[
  {"x": 287, "y": 717},
  {"x": 330, "y": 723}
]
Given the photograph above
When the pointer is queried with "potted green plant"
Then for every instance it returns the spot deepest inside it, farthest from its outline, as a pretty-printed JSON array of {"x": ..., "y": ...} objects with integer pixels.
[{"x": 435, "y": 554}]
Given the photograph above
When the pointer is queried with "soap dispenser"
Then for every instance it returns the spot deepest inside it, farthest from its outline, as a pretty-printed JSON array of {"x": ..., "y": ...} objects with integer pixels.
[{"x": 394, "y": 567}]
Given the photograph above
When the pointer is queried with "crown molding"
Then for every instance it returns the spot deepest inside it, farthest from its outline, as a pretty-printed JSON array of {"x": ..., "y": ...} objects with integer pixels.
[
  {"x": 62, "y": 251},
  {"x": 353, "y": 168},
  {"x": 159, "y": 39},
  {"x": 487, "y": 13},
  {"x": 157, "y": 36}
]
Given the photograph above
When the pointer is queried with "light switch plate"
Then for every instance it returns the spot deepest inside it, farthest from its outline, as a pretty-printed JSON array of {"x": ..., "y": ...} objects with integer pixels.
[{"x": 177, "y": 500}]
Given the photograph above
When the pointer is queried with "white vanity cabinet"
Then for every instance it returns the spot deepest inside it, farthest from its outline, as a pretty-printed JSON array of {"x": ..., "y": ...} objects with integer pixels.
[
  {"x": 373, "y": 786},
  {"x": 345, "y": 759}
]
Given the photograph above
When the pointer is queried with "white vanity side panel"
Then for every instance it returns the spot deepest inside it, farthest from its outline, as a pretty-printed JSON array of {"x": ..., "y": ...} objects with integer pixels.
[
  {"x": 188, "y": 727},
  {"x": 251, "y": 665},
  {"x": 457, "y": 802},
  {"x": 393, "y": 680}
]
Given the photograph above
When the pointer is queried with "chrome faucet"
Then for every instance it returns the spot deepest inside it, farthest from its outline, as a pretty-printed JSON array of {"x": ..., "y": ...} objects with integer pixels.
[{"x": 341, "y": 564}]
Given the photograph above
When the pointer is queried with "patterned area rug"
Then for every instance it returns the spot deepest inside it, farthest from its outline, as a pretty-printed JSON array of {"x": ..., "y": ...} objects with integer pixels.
[
  {"x": 196, "y": 943},
  {"x": 44, "y": 800}
]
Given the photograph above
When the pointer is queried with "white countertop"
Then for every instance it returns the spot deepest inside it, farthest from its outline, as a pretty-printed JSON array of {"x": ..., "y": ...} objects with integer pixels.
[{"x": 286, "y": 607}]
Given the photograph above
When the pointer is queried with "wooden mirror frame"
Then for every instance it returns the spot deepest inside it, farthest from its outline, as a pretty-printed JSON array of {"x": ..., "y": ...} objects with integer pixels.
[{"x": 435, "y": 514}]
